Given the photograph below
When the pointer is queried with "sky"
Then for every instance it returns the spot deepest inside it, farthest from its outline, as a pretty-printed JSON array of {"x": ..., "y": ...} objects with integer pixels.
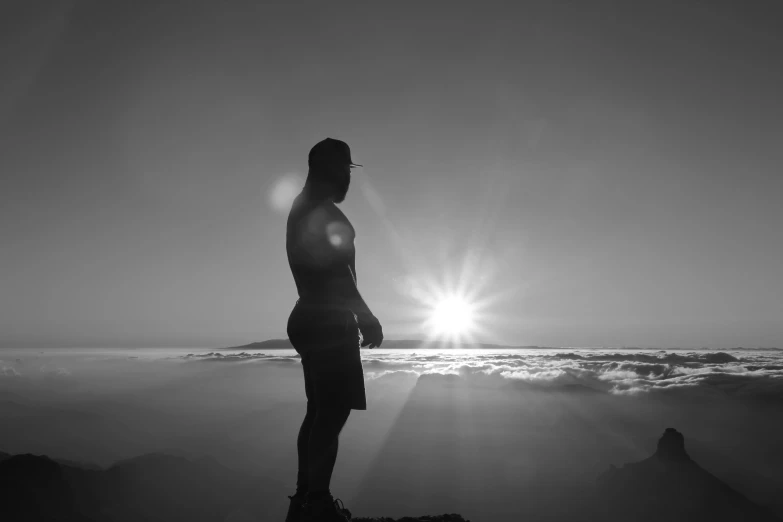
[{"x": 597, "y": 175}]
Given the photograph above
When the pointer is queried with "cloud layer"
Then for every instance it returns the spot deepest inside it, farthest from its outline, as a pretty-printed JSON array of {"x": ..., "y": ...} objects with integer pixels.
[
  {"x": 721, "y": 374},
  {"x": 736, "y": 374}
]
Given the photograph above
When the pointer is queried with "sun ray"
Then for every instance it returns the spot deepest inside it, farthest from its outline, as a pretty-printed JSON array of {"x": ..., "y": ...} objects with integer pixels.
[{"x": 470, "y": 278}]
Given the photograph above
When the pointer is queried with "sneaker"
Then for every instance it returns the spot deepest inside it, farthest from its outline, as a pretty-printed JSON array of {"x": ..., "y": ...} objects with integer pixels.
[
  {"x": 325, "y": 509},
  {"x": 341, "y": 508},
  {"x": 295, "y": 508}
]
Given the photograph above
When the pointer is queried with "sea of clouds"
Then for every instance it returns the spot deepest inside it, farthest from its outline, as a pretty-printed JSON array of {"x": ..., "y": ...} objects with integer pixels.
[
  {"x": 739, "y": 374},
  {"x": 504, "y": 421},
  {"x": 755, "y": 375}
]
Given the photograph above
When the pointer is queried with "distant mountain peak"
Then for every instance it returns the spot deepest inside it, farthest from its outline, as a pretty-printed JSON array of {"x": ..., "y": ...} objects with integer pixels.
[
  {"x": 671, "y": 446},
  {"x": 670, "y": 486}
]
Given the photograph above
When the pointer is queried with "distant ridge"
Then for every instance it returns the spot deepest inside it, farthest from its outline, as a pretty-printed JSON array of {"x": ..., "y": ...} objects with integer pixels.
[
  {"x": 271, "y": 343},
  {"x": 282, "y": 344},
  {"x": 152, "y": 487}
]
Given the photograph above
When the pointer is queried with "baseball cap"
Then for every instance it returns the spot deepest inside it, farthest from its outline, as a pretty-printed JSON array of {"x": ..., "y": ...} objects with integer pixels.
[{"x": 329, "y": 152}]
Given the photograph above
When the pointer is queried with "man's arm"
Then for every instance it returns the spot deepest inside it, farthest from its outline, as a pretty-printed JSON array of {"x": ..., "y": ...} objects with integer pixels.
[
  {"x": 368, "y": 323},
  {"x": 330, "y": 241},
  {"x": 348, "y": 284}
]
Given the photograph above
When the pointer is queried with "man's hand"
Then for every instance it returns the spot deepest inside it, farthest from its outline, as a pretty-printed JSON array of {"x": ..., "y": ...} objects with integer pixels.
[{"x": 372, "y": 333}]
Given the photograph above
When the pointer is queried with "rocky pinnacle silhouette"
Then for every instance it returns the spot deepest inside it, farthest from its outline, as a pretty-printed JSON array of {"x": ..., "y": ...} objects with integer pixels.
[
  {"x": 671, "y": 446},
  {"x": 671, "y": 486}
]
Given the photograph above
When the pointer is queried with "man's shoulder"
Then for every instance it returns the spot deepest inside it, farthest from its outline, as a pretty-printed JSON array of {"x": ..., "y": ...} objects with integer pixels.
[
  {"x": 300, "y": 208},
  {"x": 319, "y": 233},
  {"x": 317, "y": 215},
  {"x": 299, "y": 203}
]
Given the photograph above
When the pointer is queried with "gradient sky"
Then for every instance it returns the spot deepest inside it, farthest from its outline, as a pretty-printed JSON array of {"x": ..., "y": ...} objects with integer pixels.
[{"x": 609, "y": 174}]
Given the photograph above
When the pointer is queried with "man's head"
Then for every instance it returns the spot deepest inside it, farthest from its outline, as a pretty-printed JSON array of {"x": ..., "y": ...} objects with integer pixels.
[{"x": 330, "y": 167}]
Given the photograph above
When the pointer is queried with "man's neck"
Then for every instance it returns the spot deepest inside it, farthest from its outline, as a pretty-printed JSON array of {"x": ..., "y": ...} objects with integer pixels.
[{"x": 319, "y": 192}]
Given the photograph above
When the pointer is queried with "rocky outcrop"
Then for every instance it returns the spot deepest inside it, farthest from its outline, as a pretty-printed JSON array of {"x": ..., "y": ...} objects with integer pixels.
[
  {"x": 670, "y": 486},
  {"x": 671, "y": 447}
]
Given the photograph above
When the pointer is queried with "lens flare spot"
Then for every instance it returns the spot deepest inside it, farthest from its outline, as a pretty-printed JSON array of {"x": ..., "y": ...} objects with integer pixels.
[
  {"x": 284, "y": 191},
  {"x": 340, "y": 234}
]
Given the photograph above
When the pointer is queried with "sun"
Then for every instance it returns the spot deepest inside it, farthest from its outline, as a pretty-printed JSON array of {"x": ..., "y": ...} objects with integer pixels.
[
  {"x": 452, "y": 317},
  {"x": 453, "y": 307}
]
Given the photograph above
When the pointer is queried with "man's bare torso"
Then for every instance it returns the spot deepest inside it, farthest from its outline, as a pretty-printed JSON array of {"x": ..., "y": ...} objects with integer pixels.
[{"x": 321, "y": 254}]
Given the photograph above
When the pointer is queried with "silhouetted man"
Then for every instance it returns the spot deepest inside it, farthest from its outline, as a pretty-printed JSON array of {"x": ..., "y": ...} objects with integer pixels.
[{"x": 327, "y": 326}]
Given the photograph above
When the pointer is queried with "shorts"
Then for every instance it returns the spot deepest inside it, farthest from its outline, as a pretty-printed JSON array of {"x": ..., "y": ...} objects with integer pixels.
[{"x": 329, "y": 343}]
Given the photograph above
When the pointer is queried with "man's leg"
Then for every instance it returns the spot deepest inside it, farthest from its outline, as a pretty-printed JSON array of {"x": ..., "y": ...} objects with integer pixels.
[
  {"x": 324, "y": 436},
  {"x": 303, "y": 450}
]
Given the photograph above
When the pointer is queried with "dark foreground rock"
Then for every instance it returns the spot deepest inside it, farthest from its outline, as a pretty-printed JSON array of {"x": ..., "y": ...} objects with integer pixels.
[{"x": 436, "y": 518}]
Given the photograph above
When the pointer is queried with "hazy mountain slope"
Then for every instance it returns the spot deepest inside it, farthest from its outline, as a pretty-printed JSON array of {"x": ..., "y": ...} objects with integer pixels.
[
  {"x": 670, "y": 486},
  {"x": 152, "y": 487}
]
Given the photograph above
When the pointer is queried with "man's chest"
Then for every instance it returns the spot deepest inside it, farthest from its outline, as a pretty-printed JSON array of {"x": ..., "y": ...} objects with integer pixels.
[{"x": 324, "y": 236}]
